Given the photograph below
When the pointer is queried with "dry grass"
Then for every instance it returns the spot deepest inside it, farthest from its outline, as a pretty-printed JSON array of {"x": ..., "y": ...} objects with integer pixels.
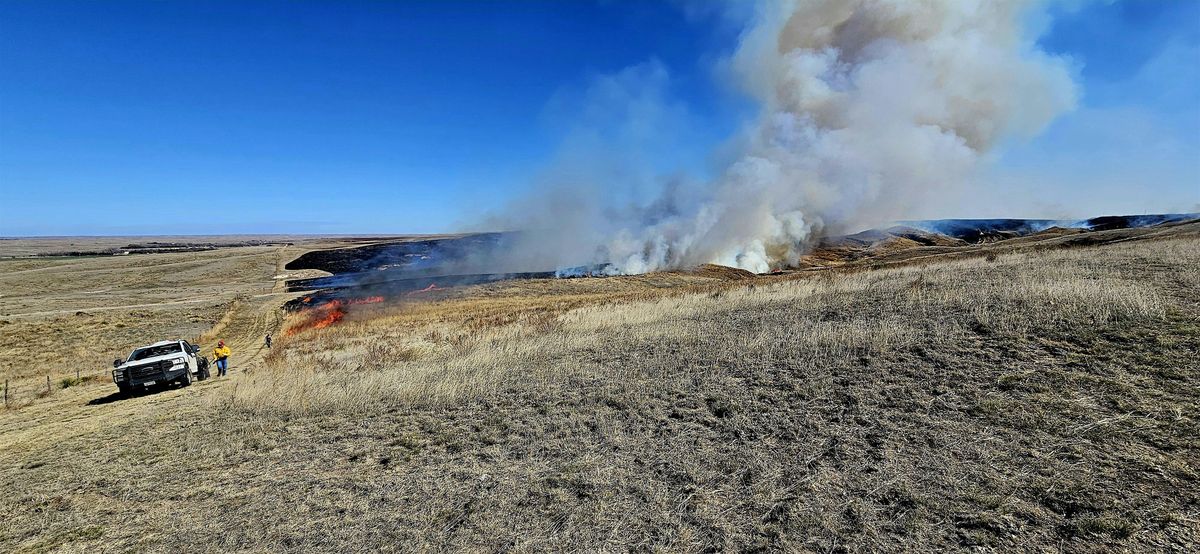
[
  {"x": 436, "y": 354},
  {"x": 1038, "y": 400},
  {"x": 59, "y": 316}
]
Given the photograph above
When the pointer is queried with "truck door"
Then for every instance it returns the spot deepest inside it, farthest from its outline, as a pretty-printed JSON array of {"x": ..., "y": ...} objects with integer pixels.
[{"x": 191, "y": 356}]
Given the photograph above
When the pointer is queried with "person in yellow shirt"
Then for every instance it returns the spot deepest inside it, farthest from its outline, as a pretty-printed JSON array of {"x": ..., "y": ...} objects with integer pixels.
[{"x": 221, "y": 354}]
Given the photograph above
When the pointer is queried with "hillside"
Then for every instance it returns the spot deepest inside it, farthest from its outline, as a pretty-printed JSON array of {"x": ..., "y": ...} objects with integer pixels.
[{"x": 1007, "y": 398}]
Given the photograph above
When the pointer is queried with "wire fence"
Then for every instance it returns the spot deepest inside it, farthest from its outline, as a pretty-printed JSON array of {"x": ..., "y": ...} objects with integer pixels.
[{"x": 23, "y": 391}]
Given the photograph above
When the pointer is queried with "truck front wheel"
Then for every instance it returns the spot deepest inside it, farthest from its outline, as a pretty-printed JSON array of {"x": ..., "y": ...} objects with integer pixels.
[
  {"x": 186, "y": 380},
  {"x": 124, "y": 389}
]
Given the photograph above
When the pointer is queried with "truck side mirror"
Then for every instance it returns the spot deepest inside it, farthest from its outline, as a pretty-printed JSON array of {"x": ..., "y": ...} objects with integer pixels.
[
  {"x": 117, "y": 362},
  {"x": 195, "y": 349}
]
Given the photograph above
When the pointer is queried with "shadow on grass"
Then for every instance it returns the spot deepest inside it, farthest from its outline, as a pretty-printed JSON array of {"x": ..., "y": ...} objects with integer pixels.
[{"x": 116, "y": 396}]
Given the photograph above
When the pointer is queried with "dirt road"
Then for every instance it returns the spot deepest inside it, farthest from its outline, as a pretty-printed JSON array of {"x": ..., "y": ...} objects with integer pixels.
[{"x": 92, "y": 410}]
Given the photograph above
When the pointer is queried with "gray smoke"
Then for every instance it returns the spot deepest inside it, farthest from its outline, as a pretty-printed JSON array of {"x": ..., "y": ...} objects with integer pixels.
[{"x": 869, "y": 108}]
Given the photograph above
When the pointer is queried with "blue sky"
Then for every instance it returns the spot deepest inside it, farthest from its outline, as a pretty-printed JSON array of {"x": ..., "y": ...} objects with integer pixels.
[
  {"x": 373, "y": 117},
  {"x": 1133, "y": 143}
]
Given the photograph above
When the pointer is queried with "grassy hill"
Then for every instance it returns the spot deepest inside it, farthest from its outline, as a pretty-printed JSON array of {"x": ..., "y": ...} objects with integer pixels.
[{"x": 1039, "y": 395}]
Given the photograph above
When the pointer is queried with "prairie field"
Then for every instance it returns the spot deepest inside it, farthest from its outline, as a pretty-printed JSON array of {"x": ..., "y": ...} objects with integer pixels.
[{"x": 998, "y": 398}]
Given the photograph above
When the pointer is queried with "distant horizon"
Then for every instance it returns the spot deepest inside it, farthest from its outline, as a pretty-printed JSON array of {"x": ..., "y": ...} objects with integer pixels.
[{"x": 1195, "y": 215}]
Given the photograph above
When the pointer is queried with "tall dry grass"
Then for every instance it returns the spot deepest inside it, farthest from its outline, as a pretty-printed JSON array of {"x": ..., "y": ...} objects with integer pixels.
[
  {"x": 443, "y": 354},
  {"x": 1042, "y": 401}
]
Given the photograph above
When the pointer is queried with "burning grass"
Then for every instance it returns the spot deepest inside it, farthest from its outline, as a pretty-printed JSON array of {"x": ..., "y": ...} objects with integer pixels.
[
  {"x": 325, "y": 314},
  {"x": 437, "y": 353}
]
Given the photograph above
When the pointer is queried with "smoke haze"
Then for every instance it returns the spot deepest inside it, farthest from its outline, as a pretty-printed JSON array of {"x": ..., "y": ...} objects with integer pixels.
[{"x": 867, "y": 109}]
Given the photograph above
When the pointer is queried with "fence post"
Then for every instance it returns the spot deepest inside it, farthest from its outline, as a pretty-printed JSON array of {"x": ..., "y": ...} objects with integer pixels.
[
  {"x": 76, "y": 374},
  {"x": 47, "y": 384},
  {"x": 6, "y": 393}
]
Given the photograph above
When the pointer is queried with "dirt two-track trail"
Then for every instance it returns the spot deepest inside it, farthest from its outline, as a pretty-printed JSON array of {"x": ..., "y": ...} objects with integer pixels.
[{"x": 93, "y": 414}]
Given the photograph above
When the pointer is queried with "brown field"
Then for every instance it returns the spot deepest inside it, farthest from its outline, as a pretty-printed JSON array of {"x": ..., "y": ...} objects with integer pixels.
[
  {"x": 27, "y": 247},
  {"x": 1035, "y": 394}
]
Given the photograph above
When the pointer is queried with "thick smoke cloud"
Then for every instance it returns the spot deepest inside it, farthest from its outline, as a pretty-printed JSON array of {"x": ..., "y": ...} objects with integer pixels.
[{"x": 868, "y": 108}]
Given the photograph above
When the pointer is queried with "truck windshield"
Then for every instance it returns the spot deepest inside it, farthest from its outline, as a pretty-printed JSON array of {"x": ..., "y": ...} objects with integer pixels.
[{"x": 152, "y": 351}]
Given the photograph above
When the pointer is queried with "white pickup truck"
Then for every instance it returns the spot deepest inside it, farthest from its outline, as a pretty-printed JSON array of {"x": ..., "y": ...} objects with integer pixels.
[{"x": 169, "y": 361}]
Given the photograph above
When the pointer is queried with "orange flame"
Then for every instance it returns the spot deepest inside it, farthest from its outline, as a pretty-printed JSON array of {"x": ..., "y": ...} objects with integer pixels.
[
  {"x": 432, "y": 287},
  {"x": 333, "y": 314},
  {"x": 328, "y": 314}
]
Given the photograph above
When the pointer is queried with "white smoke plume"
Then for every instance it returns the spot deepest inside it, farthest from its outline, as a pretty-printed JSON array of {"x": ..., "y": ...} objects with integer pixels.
[{"x": 868, "y": 108}]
